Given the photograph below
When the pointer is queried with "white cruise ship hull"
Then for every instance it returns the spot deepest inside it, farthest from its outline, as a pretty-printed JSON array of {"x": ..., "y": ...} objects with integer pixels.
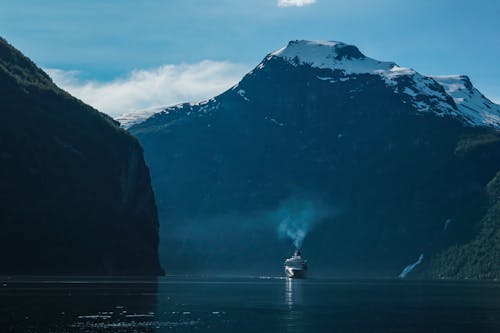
[{"x": 295, "y": 273}]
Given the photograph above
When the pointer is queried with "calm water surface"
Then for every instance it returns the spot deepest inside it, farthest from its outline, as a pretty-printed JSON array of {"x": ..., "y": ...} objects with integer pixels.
[{"x": 175, "y": 304}]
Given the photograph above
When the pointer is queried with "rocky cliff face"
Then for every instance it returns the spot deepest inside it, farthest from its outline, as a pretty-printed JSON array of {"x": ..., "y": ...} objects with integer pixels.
[
  {"x": 75, "y": 193},
  {"x": 400, "y": 159}
]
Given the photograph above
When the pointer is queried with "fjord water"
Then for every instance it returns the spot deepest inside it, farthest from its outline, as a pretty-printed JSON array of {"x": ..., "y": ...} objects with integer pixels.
[{"x": 177, "y": 304}]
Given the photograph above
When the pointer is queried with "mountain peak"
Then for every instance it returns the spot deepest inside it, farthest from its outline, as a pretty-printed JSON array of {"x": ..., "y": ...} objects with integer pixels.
[
  {"x": 471, "y": 104},
  {"x": 331, "y": 55},
  {"x": 329, "y": 49},
  {"x": 445, "y": 95},
  {"x": 455, "y": 81}
]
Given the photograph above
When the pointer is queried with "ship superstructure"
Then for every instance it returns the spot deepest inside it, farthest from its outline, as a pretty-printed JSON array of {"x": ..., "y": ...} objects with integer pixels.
[{"x": 296, "y": 266}]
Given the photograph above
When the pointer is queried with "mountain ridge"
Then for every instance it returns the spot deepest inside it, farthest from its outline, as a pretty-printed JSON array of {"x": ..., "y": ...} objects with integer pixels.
[{"x": 427, "y": 93}]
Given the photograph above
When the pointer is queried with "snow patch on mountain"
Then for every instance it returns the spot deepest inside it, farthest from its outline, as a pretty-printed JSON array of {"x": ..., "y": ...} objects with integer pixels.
[
  {"x": 472, "y": 105},
  {"x": 274, "y": 121},
  {"x": 130, "y": 119},
  {"x": 338, "y": 56},
  {"x": 424, "y": 93},
  {"x": 242, "y": 93},
  {"x": 445, "y": 96},
  {"x": 330, "y": 55}
]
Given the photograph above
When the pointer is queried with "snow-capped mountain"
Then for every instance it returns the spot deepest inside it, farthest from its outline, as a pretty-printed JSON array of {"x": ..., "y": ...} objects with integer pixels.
[
  {"x": 443, "y": 95},
  {"x": 129, "y": 119},
  {"x": 474, "y": 107},
  {"x": 397, "y": 155}
]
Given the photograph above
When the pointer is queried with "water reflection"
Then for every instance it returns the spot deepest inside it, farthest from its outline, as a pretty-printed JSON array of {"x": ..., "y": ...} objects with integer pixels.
[
  {"x": 293, "y": 292},
  {"x": 289, "y": 293},
  {"x": 293, "y": 301}
]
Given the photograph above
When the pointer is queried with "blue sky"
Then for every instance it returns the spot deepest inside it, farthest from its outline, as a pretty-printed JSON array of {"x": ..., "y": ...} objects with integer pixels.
[{"x": 104, "y": 44}]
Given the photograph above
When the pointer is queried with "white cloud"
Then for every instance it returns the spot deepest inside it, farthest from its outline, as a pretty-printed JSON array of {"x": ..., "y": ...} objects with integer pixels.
[
  {"x": 295, "y": 3},
  {"x": 162, "y": 86}
]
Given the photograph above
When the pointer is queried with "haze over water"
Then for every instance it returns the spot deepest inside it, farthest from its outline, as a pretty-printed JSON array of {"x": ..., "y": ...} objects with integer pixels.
[{"x": 200, "y": 304}]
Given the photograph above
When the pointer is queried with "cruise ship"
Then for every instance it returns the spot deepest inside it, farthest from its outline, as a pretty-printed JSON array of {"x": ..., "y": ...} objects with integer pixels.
[{"x": 296, "y": 266}]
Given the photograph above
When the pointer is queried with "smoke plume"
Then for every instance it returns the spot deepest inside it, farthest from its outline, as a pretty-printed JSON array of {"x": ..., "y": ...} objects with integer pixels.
[{"x": 298, "y": 215}]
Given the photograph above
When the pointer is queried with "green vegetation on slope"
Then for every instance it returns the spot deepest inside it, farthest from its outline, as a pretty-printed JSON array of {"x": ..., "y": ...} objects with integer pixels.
[
  {"x": 479, "y": 258},
  {"x": 75, "y": 194}
]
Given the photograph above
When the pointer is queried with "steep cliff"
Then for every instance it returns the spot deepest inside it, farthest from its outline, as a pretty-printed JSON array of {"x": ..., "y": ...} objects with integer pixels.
[{"x": 75, "y": 194}]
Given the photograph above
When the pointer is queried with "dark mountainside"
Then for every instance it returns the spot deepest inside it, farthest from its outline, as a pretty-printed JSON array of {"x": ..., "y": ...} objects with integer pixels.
[
  {"x": 402, "y": 171},
  {"x": 480, "y": 257},
  {"x": 75, "y": 194}
]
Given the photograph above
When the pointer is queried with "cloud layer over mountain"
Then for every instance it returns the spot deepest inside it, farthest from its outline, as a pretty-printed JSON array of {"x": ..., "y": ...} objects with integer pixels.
[{"x": 164, "y": 85}]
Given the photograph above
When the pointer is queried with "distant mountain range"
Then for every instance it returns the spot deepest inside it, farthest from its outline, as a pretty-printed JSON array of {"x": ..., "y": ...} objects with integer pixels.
[
  {"x": 406, "y": 165},
  {"x": 75, "y": 193}
]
